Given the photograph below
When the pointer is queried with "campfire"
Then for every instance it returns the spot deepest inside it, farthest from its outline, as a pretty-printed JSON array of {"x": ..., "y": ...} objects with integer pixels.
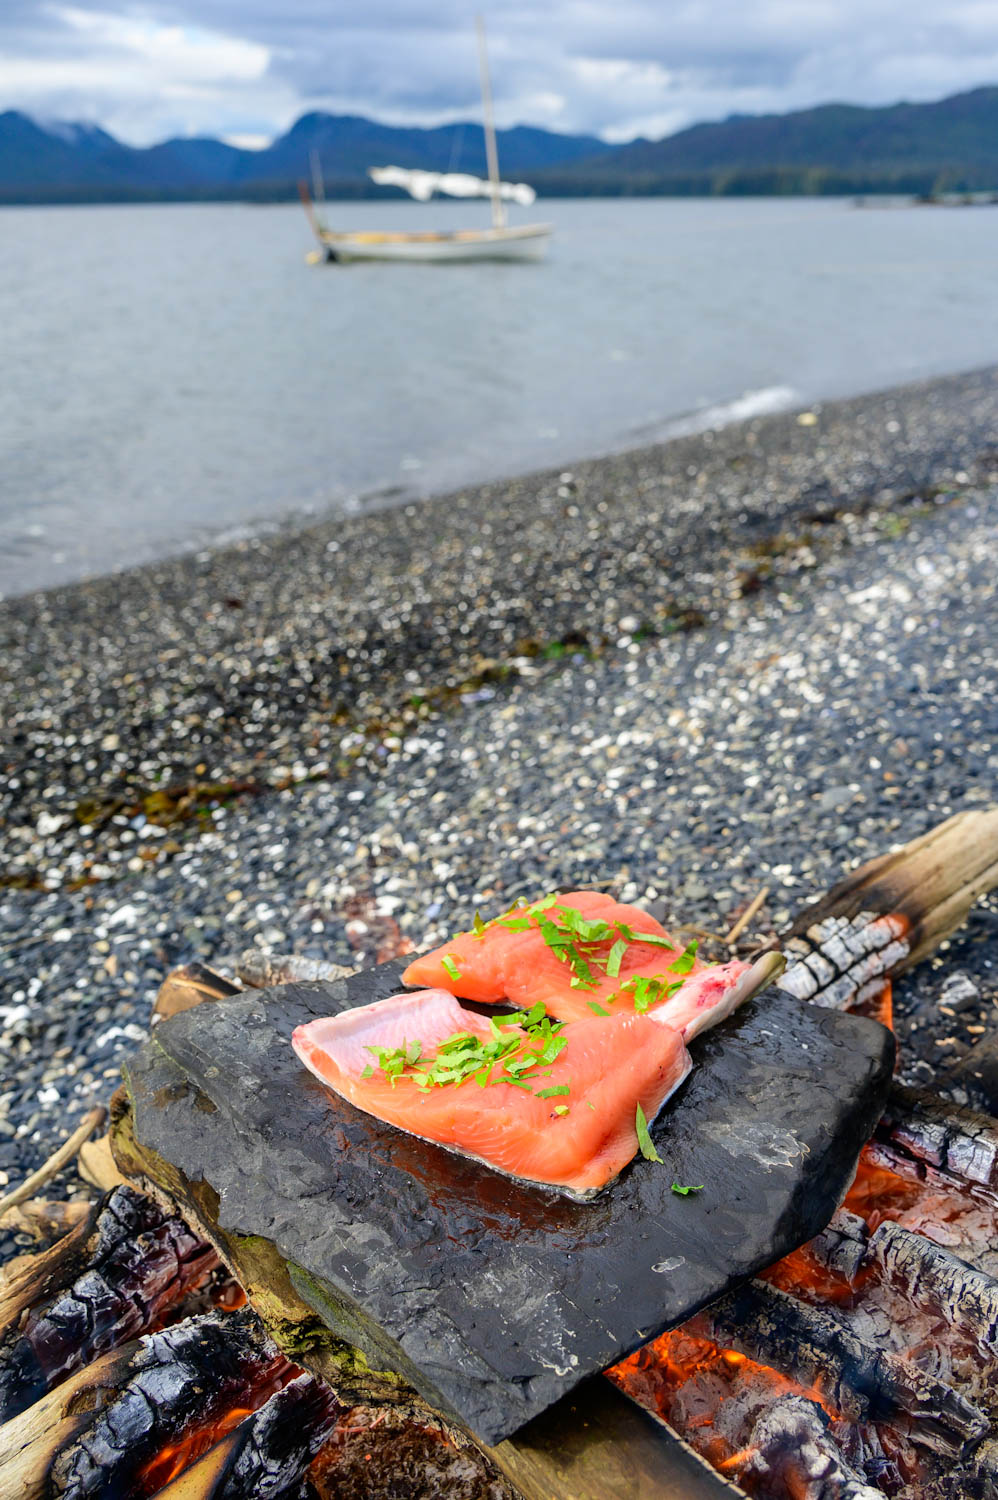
[{"x": 149, "y": 1351}]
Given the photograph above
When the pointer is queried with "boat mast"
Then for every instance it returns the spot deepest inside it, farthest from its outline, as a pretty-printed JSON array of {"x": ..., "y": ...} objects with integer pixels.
[{"x": 491, "y": 153}]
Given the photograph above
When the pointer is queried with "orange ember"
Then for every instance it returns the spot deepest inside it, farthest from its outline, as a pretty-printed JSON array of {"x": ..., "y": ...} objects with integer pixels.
[
  {"x": 229, "y": 1297},
  {"x": 878, "y": 1193},
  {"x": 175, "y": 1457},
  {"x": 193, "y": 1444},
  {"x": 802, "y": 1273},
  {"x": 879, "y": 1008},
  {"x": 693, "y": 1382}
]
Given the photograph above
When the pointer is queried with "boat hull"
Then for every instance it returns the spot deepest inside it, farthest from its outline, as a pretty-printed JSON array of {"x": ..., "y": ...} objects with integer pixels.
[{"x": 526, "y": 242}]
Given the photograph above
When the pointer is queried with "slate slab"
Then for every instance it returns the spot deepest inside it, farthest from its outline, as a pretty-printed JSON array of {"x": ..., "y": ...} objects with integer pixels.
[{"x": 493, "y": 1299}]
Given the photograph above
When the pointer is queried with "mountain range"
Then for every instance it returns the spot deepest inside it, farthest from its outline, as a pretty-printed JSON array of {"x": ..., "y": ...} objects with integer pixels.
[{"x": 951, "y": 145}]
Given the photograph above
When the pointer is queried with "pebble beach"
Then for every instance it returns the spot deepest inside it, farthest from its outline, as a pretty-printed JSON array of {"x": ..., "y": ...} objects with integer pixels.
[{"x": 750, "y": 657}]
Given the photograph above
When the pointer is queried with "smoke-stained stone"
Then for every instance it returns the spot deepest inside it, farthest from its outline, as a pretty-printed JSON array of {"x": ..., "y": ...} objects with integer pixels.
[{"x": 493, "y": 1298}]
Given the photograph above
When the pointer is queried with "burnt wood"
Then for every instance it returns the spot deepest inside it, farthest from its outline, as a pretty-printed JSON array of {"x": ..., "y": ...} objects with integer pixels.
[
  {"x": 493, "y": 1298},
  {"x": 864, "y": 1381},
  {"x": 136, "y": 1262},
  {"x": 930, "y": 884}
]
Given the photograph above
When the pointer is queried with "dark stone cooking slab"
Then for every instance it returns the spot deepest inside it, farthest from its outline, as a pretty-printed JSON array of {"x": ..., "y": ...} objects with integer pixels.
[{"x": 493, "y": 1298}]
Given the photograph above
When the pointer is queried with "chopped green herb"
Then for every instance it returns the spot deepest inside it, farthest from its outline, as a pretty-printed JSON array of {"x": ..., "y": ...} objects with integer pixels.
[
  {"x": 516, "y": 1056},
  {"x": 616, "y": 956},
  {"x": 590, "y": 1104},
  {"x": 479, "y": 925},
  {"x": 596, "y": 1008},
  {"x": 367, "y": 1071},
  {"x": 684, "y": 963},
  {"x": 448, "y": 963},
  {"x": 648, "y": 990},
  {"x": 644, "y": 1139},
  {"x": 685, "y": 1191},
  {"x": 561, "y": 1109},
  {"x": 553, "y": 1091}
]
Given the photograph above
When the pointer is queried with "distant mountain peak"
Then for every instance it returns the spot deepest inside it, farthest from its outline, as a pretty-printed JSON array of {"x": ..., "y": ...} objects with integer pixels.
[{"x": 951, "y": 143}]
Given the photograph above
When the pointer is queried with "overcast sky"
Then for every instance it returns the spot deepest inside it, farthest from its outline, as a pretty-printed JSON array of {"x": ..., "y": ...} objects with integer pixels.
[{"x": 617, "y": 68}]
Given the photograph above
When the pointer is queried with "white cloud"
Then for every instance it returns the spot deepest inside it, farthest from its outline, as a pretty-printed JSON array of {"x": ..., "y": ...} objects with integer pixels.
[
  {"x": 141, "y": 78},
  {"x": 248, "y": 67}
]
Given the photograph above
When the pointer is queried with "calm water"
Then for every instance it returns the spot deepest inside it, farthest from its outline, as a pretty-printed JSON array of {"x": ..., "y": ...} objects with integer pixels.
[{"x": 175, "y": 373}]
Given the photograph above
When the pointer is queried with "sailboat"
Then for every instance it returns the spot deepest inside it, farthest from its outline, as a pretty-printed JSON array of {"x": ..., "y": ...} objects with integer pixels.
[{"x": 503, "y": 241}]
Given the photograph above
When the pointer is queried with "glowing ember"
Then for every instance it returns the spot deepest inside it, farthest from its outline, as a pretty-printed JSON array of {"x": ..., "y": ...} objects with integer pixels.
[
  {"x": 763, "y": 1429},
  {"x": 192, "y": 1444},
  {"x": 175, "y": 1457},
  {"x": 713, "y": 1396}
]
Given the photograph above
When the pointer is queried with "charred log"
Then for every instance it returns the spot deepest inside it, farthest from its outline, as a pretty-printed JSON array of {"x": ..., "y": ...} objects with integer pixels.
[
  {"x": 266, "y": 1457},
  {"x": 796, "y": 1458},
  {"x": 185, "y": 1387},
  {"x": 400, "y": 1455},
  {"x": 955, "y": 1141},
  {"x": 861, "y": 1381},
  {"x": 139, "y": 1261},
  {"x": 844, "y": 961},
  {"x": 844, "y": 1246},
  {"x": 929, "y": 1277},
  {"x": 929, "y": 886}
]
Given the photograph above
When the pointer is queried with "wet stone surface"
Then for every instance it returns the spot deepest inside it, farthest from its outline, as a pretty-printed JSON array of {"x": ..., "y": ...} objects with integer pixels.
[{"x": 493, "y": 1297}]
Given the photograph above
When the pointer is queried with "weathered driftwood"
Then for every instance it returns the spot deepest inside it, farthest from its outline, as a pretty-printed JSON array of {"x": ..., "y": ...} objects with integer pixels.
[
  {"x": 260, "y": 970},
  {"x": 929, "y": 886},
  {"x": 44, "y": 1218},
  {"x": 96, "y": 1165},
  {"x": 186, "y": 987},
  {"x": 55, "y": 1163},
  {"x": 30, "y": 1443}
]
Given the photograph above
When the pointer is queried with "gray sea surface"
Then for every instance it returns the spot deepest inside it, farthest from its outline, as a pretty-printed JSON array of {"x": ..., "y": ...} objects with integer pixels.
[{"x": 175, "y": 375}]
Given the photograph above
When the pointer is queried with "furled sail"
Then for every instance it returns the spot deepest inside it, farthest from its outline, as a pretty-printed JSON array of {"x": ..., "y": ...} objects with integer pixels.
[{"x": 423, "y": 185}]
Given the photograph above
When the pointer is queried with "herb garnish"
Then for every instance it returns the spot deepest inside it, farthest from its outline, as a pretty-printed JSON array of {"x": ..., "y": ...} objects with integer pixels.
[
  {"x": 520, "y": 1058},
  {"x": 649, "y": 989},
  {"x": 644, "y": 1139},
  {"x": 448, "y": 963},
  {"x": 685, "y": 1191},
  {"x": 684, "y": 963},
  {"x": 616, "y": 955}
]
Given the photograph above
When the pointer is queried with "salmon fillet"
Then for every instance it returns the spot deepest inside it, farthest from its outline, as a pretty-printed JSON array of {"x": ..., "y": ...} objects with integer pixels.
[
  {"x": 576, "y": 1138},
  {"x": 528, "y": 955}
]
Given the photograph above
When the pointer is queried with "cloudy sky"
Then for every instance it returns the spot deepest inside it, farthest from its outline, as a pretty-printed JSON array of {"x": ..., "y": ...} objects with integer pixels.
[{"x": 616, "y": 68}]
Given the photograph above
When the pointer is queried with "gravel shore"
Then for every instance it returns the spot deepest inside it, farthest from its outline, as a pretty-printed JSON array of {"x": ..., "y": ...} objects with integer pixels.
[{"x": 750, "y": 657}]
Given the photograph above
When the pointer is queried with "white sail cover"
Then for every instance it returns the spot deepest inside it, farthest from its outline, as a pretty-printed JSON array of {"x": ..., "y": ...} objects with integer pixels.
[{"x": 423, "y": 185}]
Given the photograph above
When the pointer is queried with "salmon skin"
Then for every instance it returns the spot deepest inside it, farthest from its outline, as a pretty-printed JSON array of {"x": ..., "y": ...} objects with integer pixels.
[
  {"x": 560, "y": 1104},
  {"x": 579, "y": 954}
]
